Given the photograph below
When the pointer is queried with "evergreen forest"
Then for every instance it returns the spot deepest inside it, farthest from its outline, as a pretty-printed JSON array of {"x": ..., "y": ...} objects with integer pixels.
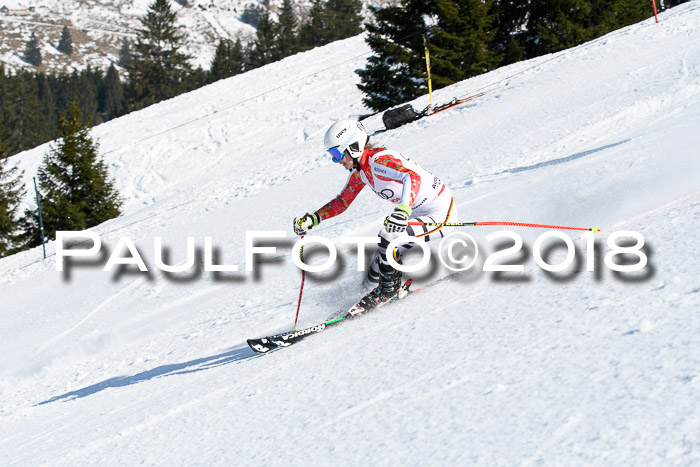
[{"x": 153, "y": 68}]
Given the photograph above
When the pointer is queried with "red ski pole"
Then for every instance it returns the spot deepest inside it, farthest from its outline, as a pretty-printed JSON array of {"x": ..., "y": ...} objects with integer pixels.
[{"x": 301, "y": 289}]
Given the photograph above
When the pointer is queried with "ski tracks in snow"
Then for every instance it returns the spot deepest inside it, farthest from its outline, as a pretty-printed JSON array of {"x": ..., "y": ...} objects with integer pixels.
[
  {"x": 562, "y": 430},
  {"x": 124, "y": 291},
  {"x": 399, "y": 392}
]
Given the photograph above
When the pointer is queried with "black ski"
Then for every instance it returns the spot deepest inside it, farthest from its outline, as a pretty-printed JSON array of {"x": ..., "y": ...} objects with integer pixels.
[{"x": 266, "y": 344}]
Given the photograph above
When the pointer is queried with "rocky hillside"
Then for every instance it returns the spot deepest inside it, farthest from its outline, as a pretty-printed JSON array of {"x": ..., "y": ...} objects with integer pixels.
[{"x": 98, "y": 28}]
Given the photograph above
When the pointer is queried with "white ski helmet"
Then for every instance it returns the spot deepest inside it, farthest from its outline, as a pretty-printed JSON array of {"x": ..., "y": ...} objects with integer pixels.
[{"x": 345, "y": 135}]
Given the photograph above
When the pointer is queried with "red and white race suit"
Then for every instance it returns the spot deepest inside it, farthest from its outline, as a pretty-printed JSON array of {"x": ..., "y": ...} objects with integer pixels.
[{"x": 400, "y": 180}]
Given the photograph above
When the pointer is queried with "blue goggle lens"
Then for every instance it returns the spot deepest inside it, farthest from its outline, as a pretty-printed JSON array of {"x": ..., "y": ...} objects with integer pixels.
[{"x": 336, "y": 154}]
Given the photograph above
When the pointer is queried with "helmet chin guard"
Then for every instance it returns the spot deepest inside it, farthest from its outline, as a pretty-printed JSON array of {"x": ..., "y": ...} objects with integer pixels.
[{"x": 346, "y": 135}]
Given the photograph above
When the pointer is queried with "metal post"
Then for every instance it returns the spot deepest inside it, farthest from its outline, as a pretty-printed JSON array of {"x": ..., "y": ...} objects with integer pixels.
[{"x": 41, "y": 220}]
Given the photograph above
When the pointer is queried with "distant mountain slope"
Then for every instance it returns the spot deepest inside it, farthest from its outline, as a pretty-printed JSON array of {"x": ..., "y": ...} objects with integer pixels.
[{"x": 99, "y": 27}]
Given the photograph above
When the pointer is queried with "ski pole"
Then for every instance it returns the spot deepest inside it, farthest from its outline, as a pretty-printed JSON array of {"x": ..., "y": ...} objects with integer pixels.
[
  {"x": 301, "y": 289},
  {"x": 514, "y": 224}
]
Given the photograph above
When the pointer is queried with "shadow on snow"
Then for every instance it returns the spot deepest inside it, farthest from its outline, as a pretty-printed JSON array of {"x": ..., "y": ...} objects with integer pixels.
[
  {"x": 233, "y": 355},
  {"x": 560, "y": 160}
]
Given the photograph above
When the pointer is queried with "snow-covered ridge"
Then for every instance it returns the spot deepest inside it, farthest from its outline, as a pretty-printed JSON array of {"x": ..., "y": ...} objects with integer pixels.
[{"x": 573, "y": 368}]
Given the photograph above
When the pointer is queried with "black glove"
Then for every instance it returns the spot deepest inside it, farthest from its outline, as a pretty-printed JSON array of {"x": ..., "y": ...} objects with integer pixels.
[
  {"x": 305, "y": 223},
  {"x": 397, "y": 221}
]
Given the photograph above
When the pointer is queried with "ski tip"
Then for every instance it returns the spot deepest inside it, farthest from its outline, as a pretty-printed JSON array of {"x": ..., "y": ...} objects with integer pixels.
[{"x": 595, "y": 230}]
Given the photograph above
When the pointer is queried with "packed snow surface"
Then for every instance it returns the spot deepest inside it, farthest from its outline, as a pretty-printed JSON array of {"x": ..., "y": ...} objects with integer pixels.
[{"x": 582, "y": 367}]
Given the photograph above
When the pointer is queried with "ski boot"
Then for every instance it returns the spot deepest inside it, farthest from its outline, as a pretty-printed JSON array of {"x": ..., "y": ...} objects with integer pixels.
[{"x": 388, "y": 290}]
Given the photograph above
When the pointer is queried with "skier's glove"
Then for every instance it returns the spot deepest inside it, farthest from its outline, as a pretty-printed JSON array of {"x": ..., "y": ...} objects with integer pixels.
[
  {"x": 397, "y": 221},
  {"x": 306, "y": 222}
]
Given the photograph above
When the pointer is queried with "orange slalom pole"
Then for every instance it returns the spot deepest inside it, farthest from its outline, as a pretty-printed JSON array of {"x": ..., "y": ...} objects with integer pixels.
[{"x": 514, "y": 224}]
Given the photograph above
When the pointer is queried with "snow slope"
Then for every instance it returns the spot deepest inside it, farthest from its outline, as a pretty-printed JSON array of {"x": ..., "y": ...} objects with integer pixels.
[{"x": 578, "y": 367}]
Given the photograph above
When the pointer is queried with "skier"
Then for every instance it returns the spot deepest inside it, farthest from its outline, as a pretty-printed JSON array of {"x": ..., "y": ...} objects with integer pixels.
[{"x": 418, "y": 195}]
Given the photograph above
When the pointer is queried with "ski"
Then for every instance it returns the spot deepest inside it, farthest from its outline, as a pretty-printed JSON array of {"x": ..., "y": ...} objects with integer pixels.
[
  {"x": 266, "y": 344},
  {"x": 454, "y": 103}
]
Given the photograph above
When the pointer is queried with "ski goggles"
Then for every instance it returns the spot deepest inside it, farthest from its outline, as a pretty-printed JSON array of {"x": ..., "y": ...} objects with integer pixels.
[{"x": 336, "y": 153}]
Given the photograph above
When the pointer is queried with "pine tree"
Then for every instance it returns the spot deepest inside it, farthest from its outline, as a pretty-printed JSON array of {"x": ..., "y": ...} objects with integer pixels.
[
  {"x": 251, "y": 14},
  {"x": 286, "y": 41},
  {"x": 125, "y": 54},
  {"x": 111, "y": 99},
  {"x": 229, "y": 60},
  {"x": 331, "y": 20},
  {"x": 343, "y": 19},
  {"x": 32, "y": 51},
  {"x": 24, "y": 121},
  {"x": 391, "y": 75},
  {"x": 311, "y": 32},
  {"x": 3, "y": 102},
  {"x": 64, "y": 91},
  {"x": 460, "y": 41},
  {"x": 461, "y": 35},
  {"x": 610, "y": 15},
  {"x": 26, "y": 110},
  {"x": 81, "y": 87},
  {"x": 264, "y": 50},
  {"x": 65, "y": 44},
  {"x": 196, "y": 79},
  {"x": 47, "y": 109},
  {"x": 88, "y": 85},
  {"x": 11, "y": 194},
  {"x": 158, "y": 70},
  {"x": 75, "y": 190},
  {"x": 555, "y": 25},
  {"x": 510, "y": 17}
]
